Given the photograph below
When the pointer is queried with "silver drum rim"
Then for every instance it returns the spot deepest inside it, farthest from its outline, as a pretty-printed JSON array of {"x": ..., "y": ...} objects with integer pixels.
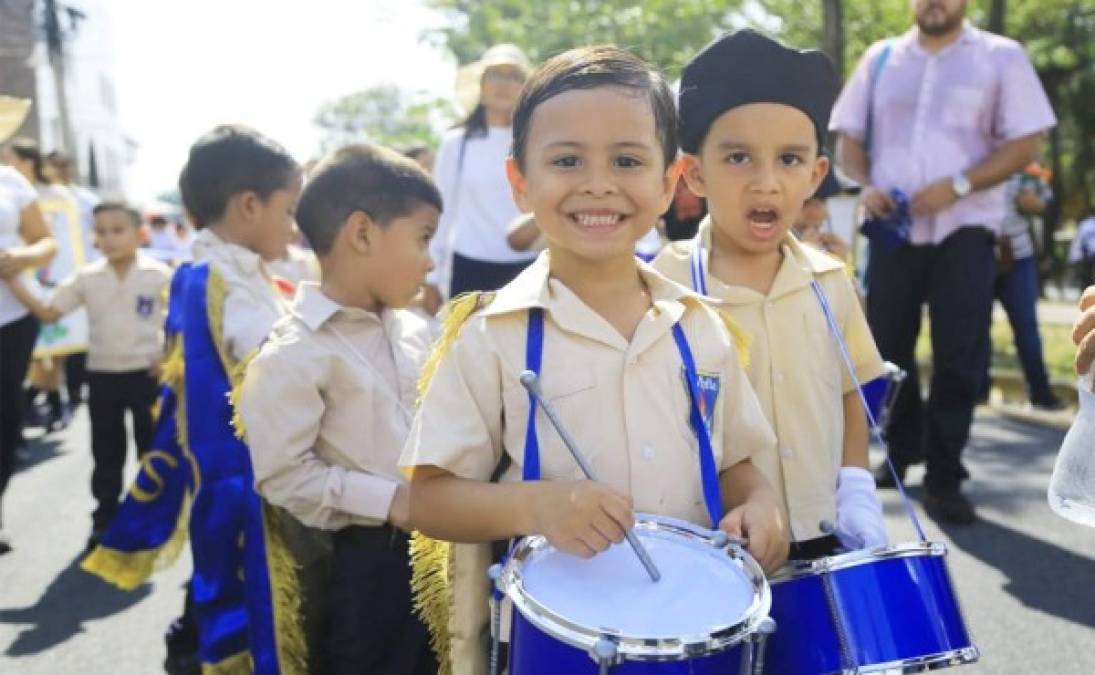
[
  {"x": 631, "y": 647},
  {"x": 805, "y": 568}
]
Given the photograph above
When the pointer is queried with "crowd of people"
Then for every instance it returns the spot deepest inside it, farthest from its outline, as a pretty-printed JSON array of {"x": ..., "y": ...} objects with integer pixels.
[{"x": 334, "y": 353}]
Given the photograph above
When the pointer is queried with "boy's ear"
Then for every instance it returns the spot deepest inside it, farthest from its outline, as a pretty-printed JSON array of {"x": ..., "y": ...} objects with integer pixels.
[
  {"x": 517, "y": 185},
  {"x": 821, "y": 167},
  {"x": 247, "y": 204},
  {"x": 360, "y": 232},
  {"x": 692, "y": 173}
]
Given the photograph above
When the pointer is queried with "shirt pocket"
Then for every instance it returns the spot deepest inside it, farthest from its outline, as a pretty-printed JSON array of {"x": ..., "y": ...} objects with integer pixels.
[
  {"x": 963, "y": 107},
  {"x": 826, "y": 363},
  {"x": 573, "y": 395},
  {"x": 678, "y": 400}
]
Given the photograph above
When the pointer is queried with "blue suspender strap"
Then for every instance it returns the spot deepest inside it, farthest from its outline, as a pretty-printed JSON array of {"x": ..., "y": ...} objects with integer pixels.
[
  {"x": 699, "y": 283},
  {"x": 827, "y": 309},
  {"x": 709, "y": 474},
  {"x": 534, "y": 354}
]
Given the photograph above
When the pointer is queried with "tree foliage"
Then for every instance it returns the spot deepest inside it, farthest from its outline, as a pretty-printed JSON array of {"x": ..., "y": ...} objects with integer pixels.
[
  {"x": 383, "y": 114},
  {"x": 665, "y": 32}
]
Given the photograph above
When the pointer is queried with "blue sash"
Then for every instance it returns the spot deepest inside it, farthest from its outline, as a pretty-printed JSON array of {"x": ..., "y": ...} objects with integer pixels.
[{"x": 709, "y": 475}]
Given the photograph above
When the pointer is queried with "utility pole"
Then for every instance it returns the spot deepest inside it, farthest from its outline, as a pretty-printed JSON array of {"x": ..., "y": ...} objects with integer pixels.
[
  {"x": 55, "y": 48},
  {"x": 833, "y": 19}
]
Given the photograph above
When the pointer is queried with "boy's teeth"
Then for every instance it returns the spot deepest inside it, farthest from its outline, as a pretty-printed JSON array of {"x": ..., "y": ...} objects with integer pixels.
[{"x": 587, "y": 220}]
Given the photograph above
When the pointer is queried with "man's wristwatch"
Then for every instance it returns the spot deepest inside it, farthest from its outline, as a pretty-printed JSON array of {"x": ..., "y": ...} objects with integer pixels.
[{"x": 961, "y": 185}]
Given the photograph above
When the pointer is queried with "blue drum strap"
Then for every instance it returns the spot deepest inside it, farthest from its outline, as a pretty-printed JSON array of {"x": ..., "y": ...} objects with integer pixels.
[
  {"x": 695, "y": 259},
  {"x": 709, "y": 474},
  {"x": 834, "y": 329},
  {"x": 534, "y": 355}
]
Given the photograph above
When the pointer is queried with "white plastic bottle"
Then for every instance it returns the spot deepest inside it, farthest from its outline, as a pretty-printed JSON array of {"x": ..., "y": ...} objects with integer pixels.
[{"x": 1072, "y": 487}]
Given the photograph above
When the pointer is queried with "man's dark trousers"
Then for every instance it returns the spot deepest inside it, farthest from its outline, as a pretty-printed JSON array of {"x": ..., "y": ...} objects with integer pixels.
[{"x": 955, "y": 278}]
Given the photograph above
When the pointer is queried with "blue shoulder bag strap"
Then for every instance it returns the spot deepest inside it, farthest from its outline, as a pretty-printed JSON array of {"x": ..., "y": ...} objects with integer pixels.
[{"x": 876, "y": 72}]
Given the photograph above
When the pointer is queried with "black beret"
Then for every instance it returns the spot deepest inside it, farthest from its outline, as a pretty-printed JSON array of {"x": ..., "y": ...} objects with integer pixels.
[{"x": 747, "y": 67}]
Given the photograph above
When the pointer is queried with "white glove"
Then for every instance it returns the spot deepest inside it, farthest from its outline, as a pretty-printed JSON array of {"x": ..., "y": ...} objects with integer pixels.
[{"x": 859, "y": 518}]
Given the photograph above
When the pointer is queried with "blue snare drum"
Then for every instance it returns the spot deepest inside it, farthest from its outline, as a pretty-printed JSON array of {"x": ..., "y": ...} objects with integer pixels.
[
  {"x": 605, "y": 614},
  {"x": 868, "y": 611}
]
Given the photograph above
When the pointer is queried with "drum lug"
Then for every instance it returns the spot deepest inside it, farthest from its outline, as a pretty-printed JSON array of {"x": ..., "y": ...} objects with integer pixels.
[
  {"x": 605, "y": 653},
  {"x": 765, "y": 629}
]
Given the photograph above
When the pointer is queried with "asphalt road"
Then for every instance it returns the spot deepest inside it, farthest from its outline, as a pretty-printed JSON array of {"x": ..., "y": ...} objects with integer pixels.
[{"x": 1026, "y": 578}]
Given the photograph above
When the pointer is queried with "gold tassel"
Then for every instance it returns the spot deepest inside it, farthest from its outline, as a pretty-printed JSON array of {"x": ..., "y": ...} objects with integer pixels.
[
  {"x": 741, "y": 339},
  {"x": 215, "y": 293},
  {"x": 237, "y": 664},
  {"x": 235, "y": 378},
  {"x": 285, "y": 589},
  {"x": 431, "y": 559},
  {"x": 129, "y": 569}
]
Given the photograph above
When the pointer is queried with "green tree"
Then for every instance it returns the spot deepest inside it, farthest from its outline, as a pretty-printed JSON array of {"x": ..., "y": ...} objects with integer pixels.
[
  {"x": 665, "y": 32},
  {"x": 383, "y": 114}
]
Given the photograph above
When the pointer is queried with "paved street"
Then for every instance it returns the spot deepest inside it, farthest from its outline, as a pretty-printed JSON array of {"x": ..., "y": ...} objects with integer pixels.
[{"x": 1026, "y": 577}]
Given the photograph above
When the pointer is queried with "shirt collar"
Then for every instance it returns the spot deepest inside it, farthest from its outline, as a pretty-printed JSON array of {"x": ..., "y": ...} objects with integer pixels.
[
  {"x": 534, "y": 287},
  {"x": 801, "y": 263},
  {"x": 911, "y": 39},
  {"x": 208, "y": 244},
  {"x": 314, "y": 309}
]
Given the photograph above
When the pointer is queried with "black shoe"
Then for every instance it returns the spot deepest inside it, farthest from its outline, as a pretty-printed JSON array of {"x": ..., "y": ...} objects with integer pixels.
[
  {"x": 182, "y": 664},
  {"x": 181, "y": 640},
  {"x": 883, "y": 477},
  {"x": 950, "y": 507},
  {"x": 5, "y": 543},
  {"x": 1048, "y": 403}
]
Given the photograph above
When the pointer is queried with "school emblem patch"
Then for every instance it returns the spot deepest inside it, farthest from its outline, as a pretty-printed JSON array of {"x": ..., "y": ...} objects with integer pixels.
[
  {"x": 709, "y": 385},
  {"x": 145, "y": 306}
]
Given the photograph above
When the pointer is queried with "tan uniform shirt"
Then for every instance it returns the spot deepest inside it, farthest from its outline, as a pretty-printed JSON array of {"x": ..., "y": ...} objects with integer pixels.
[
  {"x": 252, "y": 304},
  {"x": 624, "y": 402},
  {"x": 795, "y": 368},
  {"x": 327, "y": 406},
  {"x": 124, "y": 314}
]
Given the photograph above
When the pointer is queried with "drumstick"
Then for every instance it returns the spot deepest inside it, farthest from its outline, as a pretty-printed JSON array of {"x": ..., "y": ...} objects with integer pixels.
[{"x": 531, "y": 382}]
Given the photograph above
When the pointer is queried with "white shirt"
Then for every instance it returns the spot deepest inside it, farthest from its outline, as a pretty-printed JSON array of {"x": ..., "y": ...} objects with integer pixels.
[
  {"x": 16, "y": 193},
  {"x": 251, "y": 305},
  {"x": 478, "y": 203},
  {"x": 327, "y": 406},
  {"x": 1083, "y": 244}
]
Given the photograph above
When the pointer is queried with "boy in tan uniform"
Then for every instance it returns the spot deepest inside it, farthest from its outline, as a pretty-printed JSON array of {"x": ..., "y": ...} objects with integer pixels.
[
  {"x": 327, "y": 402},
  {"x": 593, "y": 143},
  {"x": 124, "y": 293},
  {"x": 752, "y": 149}
]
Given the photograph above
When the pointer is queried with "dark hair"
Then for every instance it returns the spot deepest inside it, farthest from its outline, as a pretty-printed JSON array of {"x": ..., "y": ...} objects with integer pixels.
[
  {"x": 475, "y": 124},
  {"x": 229, "y": 160},
  {"x": 369, "y": 178},
  {"x": 133, "y": 214},
  {"x": 26, "y": 148},
  {"x": 415, "y": 151},
  {"x": 589, "y": 68}
]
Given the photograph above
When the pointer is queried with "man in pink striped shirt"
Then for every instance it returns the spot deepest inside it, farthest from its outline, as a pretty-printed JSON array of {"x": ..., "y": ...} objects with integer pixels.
[{"x": 944, "y": 113}]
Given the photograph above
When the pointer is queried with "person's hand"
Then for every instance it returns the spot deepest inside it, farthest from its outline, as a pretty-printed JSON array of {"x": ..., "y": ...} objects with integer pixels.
[
  {"x": 932, "y": 198},
  {"x": 582, "y": 518},
  {"x": 156, "y": 370},
  {"x": 830, "y": 242},
  {"x": 1083, "y": 332},
  {"x": 761, "y": 523},
  {"x": 877, "y": 202},
  {"x": 399, "y": 513},
  {"x": 12, "y": 263},
  {"x": 859, "y": 519},
  {"x": 430, "y": 299},
  {"x": 1029, "y": 202}
]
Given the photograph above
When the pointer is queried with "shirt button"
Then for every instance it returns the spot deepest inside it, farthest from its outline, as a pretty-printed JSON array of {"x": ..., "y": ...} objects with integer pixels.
[
  {"x": 787, "y": 453},
  {"x": 648, "y": 452}
]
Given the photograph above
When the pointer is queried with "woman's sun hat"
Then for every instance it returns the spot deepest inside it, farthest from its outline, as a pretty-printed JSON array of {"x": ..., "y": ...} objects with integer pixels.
[
  {"x": 12, "y": 113},
  {"x": 469, "y": 79}
]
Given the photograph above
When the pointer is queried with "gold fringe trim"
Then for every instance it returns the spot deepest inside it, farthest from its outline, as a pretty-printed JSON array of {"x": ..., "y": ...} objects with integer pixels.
[
  {"x": 215, "y": 293},
  {"x": 285, "y": 591},
  {"x": 431, "y": 563},
  {"x": 431, "y": 559},
  {"x": 235, "y": 377},
  {"x": 453, "y": 316},
  {"x": 237, "y": 664},
  {"x": 129, "y": 569},
  {"x": 741, "y": 339}
]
